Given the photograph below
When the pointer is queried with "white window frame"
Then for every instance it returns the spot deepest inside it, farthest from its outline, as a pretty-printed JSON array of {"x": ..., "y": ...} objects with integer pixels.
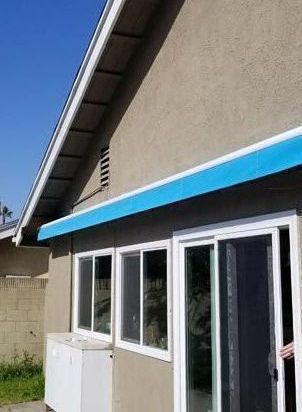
[
  {"x": 92, "y": 254},
  {"x": 140, "y": 348},
  {"x": 211, "y": 234}
]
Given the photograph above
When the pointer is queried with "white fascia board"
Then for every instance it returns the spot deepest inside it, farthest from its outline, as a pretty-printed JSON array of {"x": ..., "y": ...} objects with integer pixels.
[
  {"x": 98, "y": 43},
  {"x": 7, "y": 233},
  {"x": 289, "y": 134}
]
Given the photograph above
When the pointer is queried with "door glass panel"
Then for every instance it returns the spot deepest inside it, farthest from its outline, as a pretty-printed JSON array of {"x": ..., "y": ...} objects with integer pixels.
[
  {"x": 131, "y": 298},
  {"x": 155, "y": 299},
  {"x": 248, "y": 359},
  {"x": 200, "y": 327},
  {"x": 85, "y": 294},
  {"x": 102, "y": 295}
]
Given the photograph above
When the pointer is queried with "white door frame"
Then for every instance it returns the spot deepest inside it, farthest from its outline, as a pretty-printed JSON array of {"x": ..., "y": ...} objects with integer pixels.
[{"x": 210, "y": 235}]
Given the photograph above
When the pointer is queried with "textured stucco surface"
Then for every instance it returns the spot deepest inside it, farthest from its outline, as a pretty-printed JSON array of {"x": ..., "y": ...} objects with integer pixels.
[
  {"x": 149, "y": 379},
  {"x": 28, "y": 261},
  {"x": 218, "y": 77},
  {"x": 58, "y": 291}
]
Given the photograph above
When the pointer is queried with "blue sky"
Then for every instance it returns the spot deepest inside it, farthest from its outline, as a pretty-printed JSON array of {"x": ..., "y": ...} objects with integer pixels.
[{"x": 42, "y": 44}]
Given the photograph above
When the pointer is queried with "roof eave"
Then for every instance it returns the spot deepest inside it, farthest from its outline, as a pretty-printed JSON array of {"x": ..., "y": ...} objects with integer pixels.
[
  {"x": 97, "y": 45},
  {"x": 7, "y": 230},
  {"x": 265, "y": 158}
]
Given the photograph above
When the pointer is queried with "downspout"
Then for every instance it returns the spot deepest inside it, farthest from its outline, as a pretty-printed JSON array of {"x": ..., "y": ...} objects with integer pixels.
[{"x": 71, "y": 281}]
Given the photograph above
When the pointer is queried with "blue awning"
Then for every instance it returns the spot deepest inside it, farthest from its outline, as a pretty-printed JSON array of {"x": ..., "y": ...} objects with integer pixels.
[{"x": 276, "y": 157}]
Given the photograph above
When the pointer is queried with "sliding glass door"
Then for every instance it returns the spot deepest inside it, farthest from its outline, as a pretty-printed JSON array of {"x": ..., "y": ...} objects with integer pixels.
[{"x": 231, "y": 323}]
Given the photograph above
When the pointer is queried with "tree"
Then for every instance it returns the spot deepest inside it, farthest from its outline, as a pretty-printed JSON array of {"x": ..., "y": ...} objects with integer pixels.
[{"x": 5, "y": 213}]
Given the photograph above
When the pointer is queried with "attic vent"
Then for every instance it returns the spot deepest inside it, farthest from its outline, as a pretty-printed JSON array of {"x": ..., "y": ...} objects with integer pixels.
[{"x": 104, "y": 167}]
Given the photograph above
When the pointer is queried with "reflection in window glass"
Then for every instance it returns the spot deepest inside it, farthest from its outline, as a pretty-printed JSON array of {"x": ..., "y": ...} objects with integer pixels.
[
  {"x": 85, "y": 294},
  {"x": 200, "y": 329},
  {"x": 155, "y": 299},
  {"x": 102, "y": 295},
  {"x": 131, "y": 298}
]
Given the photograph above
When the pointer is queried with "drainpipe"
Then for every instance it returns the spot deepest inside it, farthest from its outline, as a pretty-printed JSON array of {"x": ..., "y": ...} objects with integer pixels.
[{"x": 71, "y": 280}]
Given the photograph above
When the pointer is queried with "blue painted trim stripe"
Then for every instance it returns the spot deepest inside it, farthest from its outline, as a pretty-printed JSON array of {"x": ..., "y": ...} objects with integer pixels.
[{"x": 263, "y": 162}]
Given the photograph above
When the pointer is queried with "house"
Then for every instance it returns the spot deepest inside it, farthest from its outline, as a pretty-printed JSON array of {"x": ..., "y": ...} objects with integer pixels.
[
  {"x": 170, "y": 198},
  {"x": 20, "y": 262},
  {"x": 23, "y": 280}
]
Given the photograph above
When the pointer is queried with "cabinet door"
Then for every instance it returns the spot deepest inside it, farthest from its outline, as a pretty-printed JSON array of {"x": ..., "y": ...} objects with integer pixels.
[{"x": 63, "y": 377}]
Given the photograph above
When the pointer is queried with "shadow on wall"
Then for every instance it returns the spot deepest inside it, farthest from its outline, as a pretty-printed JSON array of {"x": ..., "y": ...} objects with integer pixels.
[
  {"x": 273, "y": 194},
  {"x": 270, "y": 195},
  {"x": 23, "y": 261},
  {"x": 60, "y": 247}
]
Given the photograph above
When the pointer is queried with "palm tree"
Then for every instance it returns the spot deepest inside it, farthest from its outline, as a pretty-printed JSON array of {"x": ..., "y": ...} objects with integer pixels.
[{"x": 5, "y": 213}]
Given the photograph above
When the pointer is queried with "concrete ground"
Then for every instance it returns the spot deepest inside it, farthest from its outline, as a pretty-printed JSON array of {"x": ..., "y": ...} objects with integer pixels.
[{"x": 25, "y": 407}]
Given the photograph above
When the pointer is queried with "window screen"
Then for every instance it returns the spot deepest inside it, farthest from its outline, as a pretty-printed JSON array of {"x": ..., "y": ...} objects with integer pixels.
[{"x": 104, "y": 167}]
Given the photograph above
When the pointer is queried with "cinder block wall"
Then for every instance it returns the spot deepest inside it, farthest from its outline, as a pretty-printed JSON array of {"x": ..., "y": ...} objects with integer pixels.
[{"x": 22, "y": 316}]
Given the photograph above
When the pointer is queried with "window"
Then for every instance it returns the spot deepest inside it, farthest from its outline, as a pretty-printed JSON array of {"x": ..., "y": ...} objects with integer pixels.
[
  {"x": 143, "y": 299},
  {"x": 93, "y": 295}
]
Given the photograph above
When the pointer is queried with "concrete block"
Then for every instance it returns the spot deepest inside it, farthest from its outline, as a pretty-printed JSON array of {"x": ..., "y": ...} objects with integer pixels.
[
  {"x": 31, "y": 348},
  {"x": 25, "y": 304},
  {"x": 17, "y": 315},
  {"x": 28, "y": 326},
  {"x": 13, "y": 337},
  {"x": 6, "y": 349},
  {"x": 11, "y": 305},
  {"x": 7, "y": 326},
  {"x": 21, "y": 319},
  {"x": 2, "y": 315},
  {"x": 35, "y": 315}
]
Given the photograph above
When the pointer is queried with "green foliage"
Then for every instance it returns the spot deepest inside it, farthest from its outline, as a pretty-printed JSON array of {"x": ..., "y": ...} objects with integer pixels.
[
  {"x": 18, "y": 390},
  {"x": 24, "y": 366},
  {"x": 5, "y": 212},
  {"x": 21, "y": 379}
]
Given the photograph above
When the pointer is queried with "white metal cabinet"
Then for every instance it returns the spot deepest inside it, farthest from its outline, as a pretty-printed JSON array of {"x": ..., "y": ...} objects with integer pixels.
[{"x": 78, "y": 374}]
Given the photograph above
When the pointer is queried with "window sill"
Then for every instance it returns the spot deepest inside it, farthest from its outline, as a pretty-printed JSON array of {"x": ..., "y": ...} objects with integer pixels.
[
  {"x": 93, "y": 335},
  {"x": 155, "y": 353}
]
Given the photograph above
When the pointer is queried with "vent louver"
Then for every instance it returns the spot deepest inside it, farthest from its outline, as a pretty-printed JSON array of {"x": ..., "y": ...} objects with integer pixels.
[{"x": 104, "y": 167}]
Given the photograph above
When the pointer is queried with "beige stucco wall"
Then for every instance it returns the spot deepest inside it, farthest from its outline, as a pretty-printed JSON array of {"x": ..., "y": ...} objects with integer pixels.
[
  {"x": 21, "y": 316},
  {"x": 141, "y": 383},
  {"x": 58, "y": 291},
  {"x": 29, "y": 261},
  {"x": 226, "y": 75}
]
